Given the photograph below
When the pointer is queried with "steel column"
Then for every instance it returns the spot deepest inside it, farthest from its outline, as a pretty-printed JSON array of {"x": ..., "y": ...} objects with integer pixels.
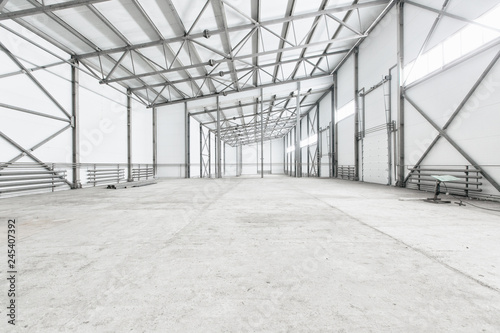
[
  {"x": 218, "y": 144},
  {"x": 356, "y": 115},
  {"x": 261, "y": 133},
  {"x": 75, "y": 123},
  {"x": 201, "y": 151},
  {"x": 129, "y": 135},
  {"x": 308, "y": 119},
  {"x": 187, "y": 153},
  {"x": 155, "y": 142},
  {"x": 334, "y": 128},
  {"x": 298, "y": 160},
  {"x": 401, "y": 103},
  {"x": 318, "y": 156}
]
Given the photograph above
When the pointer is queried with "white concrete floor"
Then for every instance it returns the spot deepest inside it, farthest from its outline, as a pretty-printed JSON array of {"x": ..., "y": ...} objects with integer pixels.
[{"x": 252, "y": 255}]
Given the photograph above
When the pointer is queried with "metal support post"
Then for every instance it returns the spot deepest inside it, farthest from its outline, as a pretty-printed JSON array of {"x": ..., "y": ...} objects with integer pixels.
[
  {"x": 261, "y": 133},
  {"x": 155, "y": 142},
  {"x": 334, "y": 128},
  {"x": 218, "y": 149},
  {"x": 318, "y": 156},
  {"x": 298, "y": 160},
  {"x": 308, "y": 119},
  {"x": 210, "y": 156},
  {"x": 356, "y": 115},
  {"x": 401, "y": 103},
  {"x": 271, "y": 157},
  {"x": 284, "y": 154},
  {"x": 129, "y": 135},
  {"x": 187, "y": 154},
  {"x": 201, "y": 151},
  {"x": 75, "y": 123}
]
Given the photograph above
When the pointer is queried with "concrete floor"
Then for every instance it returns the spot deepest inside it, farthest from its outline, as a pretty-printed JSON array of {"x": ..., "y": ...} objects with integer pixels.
[{"x": 252, "y": 255}]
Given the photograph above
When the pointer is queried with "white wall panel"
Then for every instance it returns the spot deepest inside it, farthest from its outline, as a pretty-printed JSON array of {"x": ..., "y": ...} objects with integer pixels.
[
  {"x": 249, "y": 159},
  {"x": 277, "y": 156},
  {"x": 103, "y": 123},
  {"x": 345, "y": 81},
  {"x": 171, "y": 153},
  {"x": 346, "y": 141}
]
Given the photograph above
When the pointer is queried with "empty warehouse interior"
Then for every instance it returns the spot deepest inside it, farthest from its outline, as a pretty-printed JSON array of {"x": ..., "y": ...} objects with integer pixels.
[{"x": 249, "y": 166}]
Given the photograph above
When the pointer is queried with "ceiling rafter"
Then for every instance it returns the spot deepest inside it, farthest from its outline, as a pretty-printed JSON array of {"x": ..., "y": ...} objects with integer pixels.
[{"x": 44, "y": 8}]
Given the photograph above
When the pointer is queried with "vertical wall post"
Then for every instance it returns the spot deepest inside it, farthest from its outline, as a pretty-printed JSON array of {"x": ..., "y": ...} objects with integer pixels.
[
  {"x": 298, "y": 158},
  {"x": 334, "y": 128},
  {"x": 318, "y": 156},
  {"x": 129, "y": 135},
  {"x": 270, "y": 157},
  {"x": 155, "y": 142},
  {"x": 285, "y": 169},
  {"x": 218, "y": 150},
  {"x": 210, "y": 155},
  {"x": 241, "y": 160},
  {"x": 261, "y": 133},
  {"x": 75, "y": 123},
  {"x": 356, "y": 116},
  {"x": 201, "y": 151},
  {"x": 187, "y": 136},
  {"x": 401, "y": 102},
  {"x": 308, "y": 120}
]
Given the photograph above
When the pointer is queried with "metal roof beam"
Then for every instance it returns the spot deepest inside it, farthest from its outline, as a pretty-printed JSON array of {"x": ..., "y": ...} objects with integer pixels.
[
  {"x": 44, "y": 9},
  {"x": 233, "y": 29},
  {"x": 299, "y": 47},
  {"x": 241, "y": 90},
  {"x": 239, "y": 70}
]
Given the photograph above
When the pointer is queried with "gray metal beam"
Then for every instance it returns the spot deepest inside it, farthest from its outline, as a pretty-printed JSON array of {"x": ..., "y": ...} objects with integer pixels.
[
  {"x": 444, "y": 13},
  {"x": 187, "y": 141},
  {"x": 244, "y": 27},
  {"x": 220, "y": 15},
  {"x": 298, "y": 129},
  {"x": 387, "y": 8},
  {"x": 44, "y": 9},
  {"x": 218, "y": 144},
  {"x": 241, "y": 57},
  {"x": 36, "y": 113},
  {"x": 129, "y": 136},
  {"x": 356, "y": 114},
  {"x": 75, "y": 123},
  {"x": 401, "y": 98},
  {"x": 155, "y": 142},
  {"x": 2, "y": 4},
  {"x": 243, "y": 89},
  {"x": 247, "y": 69},
  {"x": 261, "y": 133}
]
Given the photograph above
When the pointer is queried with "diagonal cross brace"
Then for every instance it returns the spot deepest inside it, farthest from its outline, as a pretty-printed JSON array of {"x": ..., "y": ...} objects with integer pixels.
[
  {"x": 29, "y": 154},
  {"x": 459, "y": 108},
  {"x": 35, "y": 81},
  {"x": 455, "y": 145}
]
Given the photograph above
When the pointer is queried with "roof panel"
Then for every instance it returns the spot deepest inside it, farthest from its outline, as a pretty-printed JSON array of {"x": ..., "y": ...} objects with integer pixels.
[
  {"x": 47, "y": 25},
  {"x": 89, "y": 25},
  {"x": 188, "y": 12},
  {"x": 127, "y": 18}
]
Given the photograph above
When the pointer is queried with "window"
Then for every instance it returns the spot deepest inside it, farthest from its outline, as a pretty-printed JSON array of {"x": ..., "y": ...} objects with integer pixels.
[
  {"x": 464, "y": 41},
  {"x": 345, "y": 111}
]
